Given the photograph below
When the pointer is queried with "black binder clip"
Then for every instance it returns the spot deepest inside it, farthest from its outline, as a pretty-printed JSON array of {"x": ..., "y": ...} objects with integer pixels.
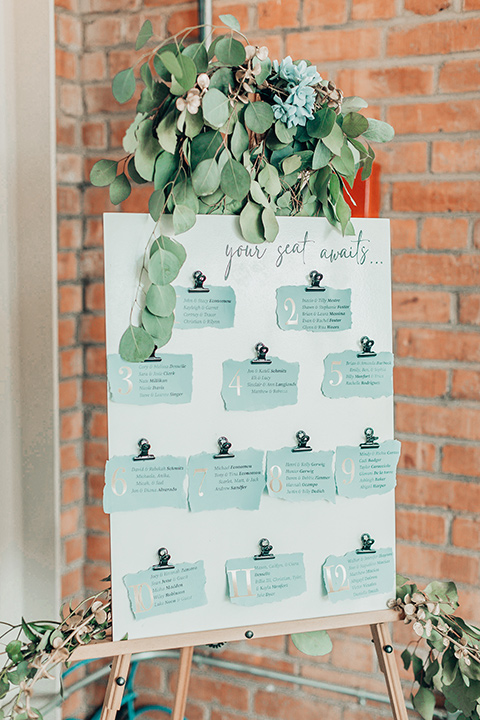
[
  {"x": 154, "y": 357},
  {"x": 265, "y": 550},
  {"x": 261, "y": 358},
  {"x": 370, "y": 440},
  {"x": 302, "y": 442},
  {"x": 163, "y": 558},
  {"x": 315, "y": 280},
  {"x": 367, "y": 543},
  {"x": 144, "y": 446},
  {"x": 224, "y": 449},
  {"x": 367, "y": 345},
  {"x": 198, "y": 280}
]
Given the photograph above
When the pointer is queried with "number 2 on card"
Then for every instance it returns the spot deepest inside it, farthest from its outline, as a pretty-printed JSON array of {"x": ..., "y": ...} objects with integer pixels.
[{"x": 293, "y": 319}]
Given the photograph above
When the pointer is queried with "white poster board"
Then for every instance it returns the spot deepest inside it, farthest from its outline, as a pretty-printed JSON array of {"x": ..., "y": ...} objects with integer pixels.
[{"x": 315, "y": 528}]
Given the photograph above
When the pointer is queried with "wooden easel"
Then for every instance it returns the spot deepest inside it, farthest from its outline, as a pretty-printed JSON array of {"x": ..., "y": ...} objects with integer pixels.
[{"x": 122, "y": 652}]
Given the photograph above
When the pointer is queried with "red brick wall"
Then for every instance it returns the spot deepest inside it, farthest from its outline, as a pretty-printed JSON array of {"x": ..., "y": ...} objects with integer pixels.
[{"x": 416, "y": 62}]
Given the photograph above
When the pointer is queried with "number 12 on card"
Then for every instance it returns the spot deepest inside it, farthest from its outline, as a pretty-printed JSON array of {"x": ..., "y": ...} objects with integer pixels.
[{"x": 340, "y": 571}]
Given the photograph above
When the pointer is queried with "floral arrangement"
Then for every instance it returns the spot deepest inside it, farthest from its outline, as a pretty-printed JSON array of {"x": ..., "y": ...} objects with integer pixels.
[
  {"x": 225, "y": 130},
  {"x": 445, "y": 658},
  {"x": 33, "y": 649},
  {"x": 450, "y": 662}
]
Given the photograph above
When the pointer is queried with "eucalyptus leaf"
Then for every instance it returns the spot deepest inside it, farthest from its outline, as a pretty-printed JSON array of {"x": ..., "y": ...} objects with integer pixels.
[
  {"x": 130, "y": 140},
  {"x": 132, "y": 171},
  {"x": 321, "y": 156},
  {"x": 284, "y": 134},
  {"x": 156, "y": 203},
  {"x": 167, "y": 132},
  {"x": 258, "y": 117},
  {"x": 269, "y": 180},
  {"x": 14, "y": 650},
  {"x": 193, "y": 123},
  {"x": 334, "y": 187},
  {"x": 147, "y": 151},
  {"x": 146, "y": 32},
  {"x": 444, "y": 593},
  {"x": 161, "y": 300},
  {"x": 206, "y": 177},
  {"x": 222, "y": 79},
  {"x": 334, "y": 140},
  {"x": 230, "y": 51},
  {"x": 251, "y": 223},
  {"x": 198, "y": 54},
  {"x": 343, "y": 211},
  {"x": 216, "y": 107},
  {"x": 353, "y": 104},
  {"x": 163, "y": 267},
  {"x": 270, "y": 224},
  {"x": 291, "y": 164},
  {"x": 230, "y": 21},
  {"x": 160, "y": 328},
  {"x": 213, "y": 45},
  {"x": 258, "y": 195},
  {"x": 146, "y": 75},
  {"x": 264, "y": 72},
  {"x": 322, "y": 123},
  {"x": 214, "y": 198},
  {"x": 165, "y": 167},
  {"x": 123, "y": 85},
  {"x": 379, "y": 131},
  {"x": 170, "y": 60},
  {"x": 235, "y": 180},
  {"x": 120, "y": 189},
  {"x": 354, "y": 124},
  {"x": 152, "y": 97},
  {"x": 29, "y": 633},
  {"x": 184, "y": 194},
  {"x": 19, "y": 673},
  {"x": 224, "y": 156},
  {"x": 314, "y": 643},
  {"x": 103, "y": 173},
  {"x": 173, "y": 246},
  {"x": 239, "y": 141},
  {"x": 183, "y": 218},
  {"x": 136, "y": 345},
  {"x": 4, "y": 686},
  {"x": 424, "y": 703},
  {"x": 344, "y": 164},
  {"x": 406, "y": 658},
  {"x": 188, "y": 75}
]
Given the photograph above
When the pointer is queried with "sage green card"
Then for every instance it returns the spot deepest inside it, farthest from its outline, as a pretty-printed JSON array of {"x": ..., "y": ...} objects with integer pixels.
[
  {"x": 215, "y": 308},
  {"x": 168, "y": 380},
  {"x": 360, "y": 472},
  {"x": 298, "y": 476},
  {"x": 356, "y": 575},
  {"x": 157, "y": 592},
  {"x": 138, "y": 484},
  {"x": 315, "y": 311},
  {"x": 348, "y": 374},
  {"x": 268, "y": 580},
  {"x": 248, "y": 386}
]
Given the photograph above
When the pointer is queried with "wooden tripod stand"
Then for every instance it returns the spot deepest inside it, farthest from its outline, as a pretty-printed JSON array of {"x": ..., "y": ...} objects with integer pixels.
[{"x": 122, "y": 652}]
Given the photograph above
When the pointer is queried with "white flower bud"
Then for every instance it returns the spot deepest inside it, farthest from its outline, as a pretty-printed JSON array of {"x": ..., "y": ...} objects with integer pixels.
[{"x": 203, "y": 81}]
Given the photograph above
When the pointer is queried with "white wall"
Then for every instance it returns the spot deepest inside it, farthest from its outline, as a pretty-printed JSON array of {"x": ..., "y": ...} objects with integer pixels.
[{"x": 29, "y": 566}]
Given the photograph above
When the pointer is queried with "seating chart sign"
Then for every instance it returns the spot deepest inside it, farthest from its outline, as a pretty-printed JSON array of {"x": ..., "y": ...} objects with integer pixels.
[{"x": 253, "y": 453}]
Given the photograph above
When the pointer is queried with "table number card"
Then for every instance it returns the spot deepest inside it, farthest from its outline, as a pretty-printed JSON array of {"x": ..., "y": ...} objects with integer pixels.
[
  {"x": 299, "y": 476},
  {"x": 257, "y": 581},
  {"x": 166, "y": 590},
  {"x": 349, "y": 374},
  {"x": 168, "y": 380},
  {"x": 139, "y": 484},
  {"x": 327, "y": 311},
  {"x": 232, "y": 481},
  {"x": 215, "y": 307},
  {"x": 360, "y": 472},
  {"x": 358, "y": 574},
  {"x": 261, "y": 386}
]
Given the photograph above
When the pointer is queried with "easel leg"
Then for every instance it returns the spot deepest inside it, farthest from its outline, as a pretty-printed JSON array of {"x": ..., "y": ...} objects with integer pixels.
[
  {"x": 184, "y": 669},
  {"x": 383, "y": 646},
  {"x": 115, "y": 686}
]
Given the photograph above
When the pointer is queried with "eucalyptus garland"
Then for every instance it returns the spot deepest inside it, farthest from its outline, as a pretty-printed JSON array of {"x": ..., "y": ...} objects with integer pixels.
[
  {"x": 224, "y": 130},
  {"x": 445, "y": 657}
]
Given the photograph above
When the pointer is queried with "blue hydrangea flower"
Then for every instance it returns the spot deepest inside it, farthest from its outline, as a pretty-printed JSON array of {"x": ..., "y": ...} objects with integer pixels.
[
  {"x": 298, "y": 107},
  {"x": 297, "y": 73}
]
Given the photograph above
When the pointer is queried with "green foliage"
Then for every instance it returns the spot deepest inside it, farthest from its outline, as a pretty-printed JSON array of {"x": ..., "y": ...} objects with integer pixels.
[
  {"x": 120, "y": 189},
  {"x": 123, "y": 85},
  {"x": 146, "y": 32},
  {"x": 313, "y": 643},
  {"x": 103, "y": 172},
  {"x": 259, "y": 117}
]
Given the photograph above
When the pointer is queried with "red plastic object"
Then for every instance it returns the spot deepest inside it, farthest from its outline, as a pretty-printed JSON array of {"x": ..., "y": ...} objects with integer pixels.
[{"x": 366, "y": 195}]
